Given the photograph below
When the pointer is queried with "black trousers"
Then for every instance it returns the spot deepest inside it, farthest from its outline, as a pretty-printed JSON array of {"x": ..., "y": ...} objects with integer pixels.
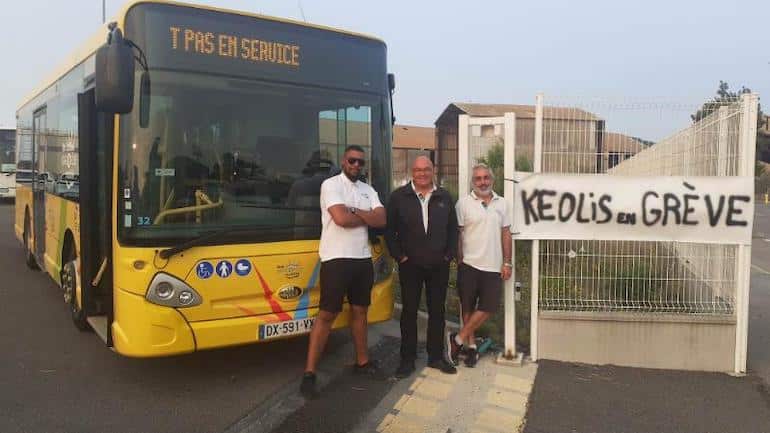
[{"x": 434, "y": 278}]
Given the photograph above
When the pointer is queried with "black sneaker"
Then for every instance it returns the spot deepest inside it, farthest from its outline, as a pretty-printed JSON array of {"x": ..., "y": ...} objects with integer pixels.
[
  {"x": 443, "y": 365},
  {"x": 371, "y": 369},
  {"x": 452, "y": 348},
  {"x": 307, "y": 388},
  {"x": 471, "y": 357},
  {"x": 405, "y": 369}
]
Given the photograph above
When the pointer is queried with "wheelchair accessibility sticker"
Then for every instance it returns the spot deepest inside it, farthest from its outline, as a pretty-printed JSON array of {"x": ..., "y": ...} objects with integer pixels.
[{"x": 204, "y": 270}]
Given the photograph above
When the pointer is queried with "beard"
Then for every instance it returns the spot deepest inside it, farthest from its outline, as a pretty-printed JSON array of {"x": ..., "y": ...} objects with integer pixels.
[
  {"x": 351, "y": 173},
  {"x": 485, "y": 192}
]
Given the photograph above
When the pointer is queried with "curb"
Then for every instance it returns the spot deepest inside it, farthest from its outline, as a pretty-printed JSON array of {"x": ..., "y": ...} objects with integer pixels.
[{"x": 272, "y": 412}]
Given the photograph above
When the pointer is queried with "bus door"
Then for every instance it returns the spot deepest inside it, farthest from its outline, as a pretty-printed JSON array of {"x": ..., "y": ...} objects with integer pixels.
[
  {"x": 39, "y": 183},
  {"x": 96, "y": 139}
]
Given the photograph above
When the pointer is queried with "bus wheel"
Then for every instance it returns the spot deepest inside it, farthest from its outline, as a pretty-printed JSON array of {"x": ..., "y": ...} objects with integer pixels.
[
  {"x": 69, "y": 284},
  {"x": 30, "y": 259}
]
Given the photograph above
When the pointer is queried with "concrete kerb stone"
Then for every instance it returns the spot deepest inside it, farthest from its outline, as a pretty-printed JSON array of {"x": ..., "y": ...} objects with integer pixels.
[
  {"x": 474, "y": 400},
  {"x": 272, "y": 412},
  {"x": 483, "y": 399}
]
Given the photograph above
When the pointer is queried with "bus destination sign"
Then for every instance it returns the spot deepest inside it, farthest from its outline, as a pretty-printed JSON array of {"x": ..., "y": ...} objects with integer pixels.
[{"x": 196, "y": 41}]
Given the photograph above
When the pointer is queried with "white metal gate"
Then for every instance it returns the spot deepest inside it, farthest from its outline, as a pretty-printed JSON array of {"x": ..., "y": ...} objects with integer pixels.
[
  {"x": 651, "y": 304},
  {"x": 477, "y": 137}
]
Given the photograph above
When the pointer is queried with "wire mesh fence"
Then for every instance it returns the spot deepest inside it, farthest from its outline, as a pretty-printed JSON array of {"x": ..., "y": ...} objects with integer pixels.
[{"x": 649, "y": 277}]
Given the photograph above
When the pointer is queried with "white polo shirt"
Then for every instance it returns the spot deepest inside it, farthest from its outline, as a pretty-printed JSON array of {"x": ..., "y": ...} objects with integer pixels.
[
  {"x": 482, "y": 245},
  {"x": 424, "y": 201},
  {"x": 340, "y": 242}
]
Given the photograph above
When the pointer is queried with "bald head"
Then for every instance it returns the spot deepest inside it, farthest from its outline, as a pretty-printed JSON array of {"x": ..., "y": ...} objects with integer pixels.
[
  {"x": 422, "y": 161},
  {"x": 422, "y": 173}
]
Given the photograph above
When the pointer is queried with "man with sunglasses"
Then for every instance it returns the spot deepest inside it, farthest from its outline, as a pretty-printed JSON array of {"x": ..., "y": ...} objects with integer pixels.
[
  {"x": 422, "y": 237},
  {"x": 348, "y": 208}
]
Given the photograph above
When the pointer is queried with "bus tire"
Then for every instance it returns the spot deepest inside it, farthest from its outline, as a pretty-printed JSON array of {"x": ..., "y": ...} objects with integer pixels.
[
  {"x": 69, "y": 285},
  {"x": 30, "y": 258}
]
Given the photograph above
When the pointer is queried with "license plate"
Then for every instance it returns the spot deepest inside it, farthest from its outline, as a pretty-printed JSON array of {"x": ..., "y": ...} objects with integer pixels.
[{"x": 286, "y": 328}]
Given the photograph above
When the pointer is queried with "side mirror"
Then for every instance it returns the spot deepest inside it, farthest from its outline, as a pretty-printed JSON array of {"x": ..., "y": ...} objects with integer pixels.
[
  {"x": 144, "y": 100},
  {"x": 115, "y": 75},
  {"x": 391, "y": 82}
]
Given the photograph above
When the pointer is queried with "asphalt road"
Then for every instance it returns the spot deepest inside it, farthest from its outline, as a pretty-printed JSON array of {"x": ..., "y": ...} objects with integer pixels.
[
  {"x": 585, "y": 398},
  {"x": 758, "y": 362},
  {"x": 54, "y": 378}
]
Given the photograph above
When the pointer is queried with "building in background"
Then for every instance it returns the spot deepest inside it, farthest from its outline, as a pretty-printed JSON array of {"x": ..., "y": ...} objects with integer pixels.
[
  {"x": 409, "y": 142},
  {"x": 574, "y": 140},
  {"x": 618, "y": 147}
]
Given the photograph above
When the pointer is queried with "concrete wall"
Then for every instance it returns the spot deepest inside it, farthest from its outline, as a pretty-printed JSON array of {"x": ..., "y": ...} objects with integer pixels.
[{"x": 638, "y": 340}]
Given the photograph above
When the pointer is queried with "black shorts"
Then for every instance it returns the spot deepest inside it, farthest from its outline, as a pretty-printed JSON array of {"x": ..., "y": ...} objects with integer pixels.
[
  {"x": 346, "y": 277},
  {"x": 478, "y": 290}
]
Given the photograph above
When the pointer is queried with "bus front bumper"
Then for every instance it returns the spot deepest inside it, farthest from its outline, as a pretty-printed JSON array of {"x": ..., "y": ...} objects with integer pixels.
[{"x": 142, "y": 329}]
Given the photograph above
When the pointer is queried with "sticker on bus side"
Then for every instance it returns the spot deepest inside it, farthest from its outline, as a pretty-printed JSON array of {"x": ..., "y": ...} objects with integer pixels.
[{"x": 165, "y": 172}]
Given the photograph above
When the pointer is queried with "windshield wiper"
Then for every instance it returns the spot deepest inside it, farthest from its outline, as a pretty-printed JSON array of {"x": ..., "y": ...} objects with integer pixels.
[
  {"x": 205, "y": 238},
  {"x": 194, "y": 242}
]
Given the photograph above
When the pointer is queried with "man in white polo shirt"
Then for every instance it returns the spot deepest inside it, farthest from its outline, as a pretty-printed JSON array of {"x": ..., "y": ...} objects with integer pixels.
[
  {"x": 348, "y": 208},
  {"x": 484, "y": 257}
]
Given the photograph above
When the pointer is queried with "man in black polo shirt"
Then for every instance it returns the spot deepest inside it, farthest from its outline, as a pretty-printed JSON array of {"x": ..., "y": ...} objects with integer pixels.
[{"x": 422, "y": 236}]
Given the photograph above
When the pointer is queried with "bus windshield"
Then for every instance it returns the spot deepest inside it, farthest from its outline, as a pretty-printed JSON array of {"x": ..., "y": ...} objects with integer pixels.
[{"x": 220, "y": 152}]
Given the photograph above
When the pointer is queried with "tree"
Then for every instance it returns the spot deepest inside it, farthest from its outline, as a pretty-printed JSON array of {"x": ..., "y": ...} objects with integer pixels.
[
  {"x": 726, "y": 97},
  {"x": 494, "y": 159}
]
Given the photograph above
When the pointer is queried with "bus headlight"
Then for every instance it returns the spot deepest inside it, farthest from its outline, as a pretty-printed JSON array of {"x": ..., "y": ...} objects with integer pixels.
[
  {"x": 382, "y": 268},
  {"x": 186, "y": 297},
  {"x": 164, "y": 290},
  {"x": 171, "y": 292}
]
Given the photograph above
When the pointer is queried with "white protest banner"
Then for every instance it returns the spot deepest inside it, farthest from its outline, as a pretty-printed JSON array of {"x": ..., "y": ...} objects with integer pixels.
[{"x": 639, "y": 208}]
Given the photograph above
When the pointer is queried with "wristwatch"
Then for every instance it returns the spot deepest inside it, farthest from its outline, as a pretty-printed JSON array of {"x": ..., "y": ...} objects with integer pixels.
[
  {"x": 352, "y": 210},
  {"x": 508, "y": 265}
]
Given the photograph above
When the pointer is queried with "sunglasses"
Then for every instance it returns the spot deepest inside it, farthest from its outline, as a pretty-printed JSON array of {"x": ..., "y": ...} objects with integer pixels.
[{"x": 354, "y": 161}]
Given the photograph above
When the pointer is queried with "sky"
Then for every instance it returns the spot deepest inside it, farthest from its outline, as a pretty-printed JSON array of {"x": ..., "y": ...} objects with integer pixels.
[{"x": 643, "y": 66}]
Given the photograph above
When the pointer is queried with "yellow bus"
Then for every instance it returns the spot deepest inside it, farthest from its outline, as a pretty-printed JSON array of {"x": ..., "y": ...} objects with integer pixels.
[{"x": 176, "y": 162}]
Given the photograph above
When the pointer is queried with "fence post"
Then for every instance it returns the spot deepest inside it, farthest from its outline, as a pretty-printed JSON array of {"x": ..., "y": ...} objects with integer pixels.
[
  {"x": 535, "y": 289},
  {"x": 747, "y": 153},
  {"x": 509, "y": 157},
  {"x": 463, "y": 154},
  {"x": 722, "y": 141}
]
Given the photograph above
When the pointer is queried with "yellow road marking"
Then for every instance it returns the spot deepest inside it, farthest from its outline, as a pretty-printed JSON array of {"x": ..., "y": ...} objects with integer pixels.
[
  {"x": 420, "y": 407},
  {"x": 401, "y": 424},
  {"x": 497, "y": 420},
  {"x": 433, "y": 389},
  {"x": 443, "y": 377},
  {"x": 513, "y": 383},
  {"x": 507, "y": 399}
]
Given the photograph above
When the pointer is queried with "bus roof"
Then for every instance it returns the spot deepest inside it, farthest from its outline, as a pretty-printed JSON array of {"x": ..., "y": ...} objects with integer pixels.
[{"x": 100, "y": 36}]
